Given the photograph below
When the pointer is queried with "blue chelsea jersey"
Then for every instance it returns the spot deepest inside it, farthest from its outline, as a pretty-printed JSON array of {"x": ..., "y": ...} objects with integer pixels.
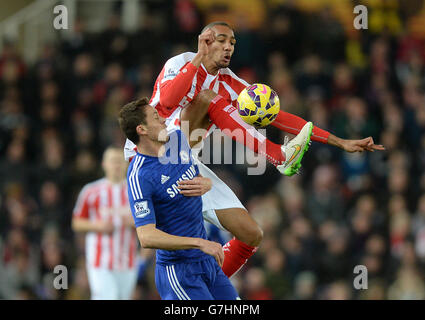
[{"x": 154, "y": 197}]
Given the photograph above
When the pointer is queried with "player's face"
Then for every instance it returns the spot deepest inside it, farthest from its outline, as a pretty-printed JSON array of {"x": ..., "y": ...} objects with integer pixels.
[
  {"x": 221, "y": 50},
  {"x": 114, "y": 164},
  {"x": 155, "y": 125}
]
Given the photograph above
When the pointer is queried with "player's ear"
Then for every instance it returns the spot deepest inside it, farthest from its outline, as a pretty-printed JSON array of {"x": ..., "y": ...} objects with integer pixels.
[{"x": 142, "y": 129}]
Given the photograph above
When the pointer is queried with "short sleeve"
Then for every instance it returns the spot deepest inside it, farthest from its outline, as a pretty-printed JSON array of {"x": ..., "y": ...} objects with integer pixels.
[
  {"x": 140, "y": 192},
  {"x": 81, "y": 209},
  {"x": 173, "y": 65}
]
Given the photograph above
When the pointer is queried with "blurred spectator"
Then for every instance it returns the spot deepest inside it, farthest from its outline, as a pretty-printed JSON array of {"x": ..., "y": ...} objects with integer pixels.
[
  {"x": 277, "y": 278},
  {"x": 324, "y": 200},
  {"x": 408, "y": 285},
  {"x": 375, "y": 291},
  {"x": 114, "y": 43},
  {"x": 338, "y": 290},
  {"x": 305, "y": 286},
  {"x": 19, "y": 274},
  {"x": 255, "y": 287}
]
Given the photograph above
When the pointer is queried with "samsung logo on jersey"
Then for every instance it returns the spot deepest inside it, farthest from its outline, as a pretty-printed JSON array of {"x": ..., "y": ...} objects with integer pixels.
[{"x": 188, "y": 175}]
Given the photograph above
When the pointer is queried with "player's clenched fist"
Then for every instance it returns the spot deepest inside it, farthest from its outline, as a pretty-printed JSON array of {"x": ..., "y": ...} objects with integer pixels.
[{"x": 213, "y": 249}]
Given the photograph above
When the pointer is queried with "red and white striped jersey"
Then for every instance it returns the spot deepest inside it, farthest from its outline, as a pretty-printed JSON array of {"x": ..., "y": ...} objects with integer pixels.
[
  {"x": 225, "y": 83},
  {"x": 167, "y": 99},
  {"x": 103, "y": 200}
]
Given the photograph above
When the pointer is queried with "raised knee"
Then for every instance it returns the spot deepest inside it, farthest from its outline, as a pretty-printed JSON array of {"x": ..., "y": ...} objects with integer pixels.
[
  {"x": 253, "y": 235},
  {"x": 205, "y": 97},
  {"x": 257, "y": 237}
]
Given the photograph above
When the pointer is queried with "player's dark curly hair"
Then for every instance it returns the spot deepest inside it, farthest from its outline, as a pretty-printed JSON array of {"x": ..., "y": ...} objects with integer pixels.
[{"x": 131, "y": 115}]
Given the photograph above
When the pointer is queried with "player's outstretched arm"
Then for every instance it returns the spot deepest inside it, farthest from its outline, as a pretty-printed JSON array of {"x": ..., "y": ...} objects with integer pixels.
[
  {"x": 366, "y": 144},
  {"x": 151, "y": 237}
]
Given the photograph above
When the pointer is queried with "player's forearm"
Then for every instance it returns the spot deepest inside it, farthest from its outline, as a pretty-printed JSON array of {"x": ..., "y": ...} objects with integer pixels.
[
  {"x": 151, "y": 237},
  {"x": 84, "y": 225},
  {"x": 197, "y": 60},
  {"x": 335, "y": 141}
]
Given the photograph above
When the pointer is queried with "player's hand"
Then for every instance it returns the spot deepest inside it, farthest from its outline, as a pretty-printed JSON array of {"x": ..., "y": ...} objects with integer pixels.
[
  {"x": 366, "y": 144},
  {"x": 213, "y": 249},
  {"x": 105, "y": 226},
  {"x": 195, "y": 187},
  {"x": 204, "y": 40}
]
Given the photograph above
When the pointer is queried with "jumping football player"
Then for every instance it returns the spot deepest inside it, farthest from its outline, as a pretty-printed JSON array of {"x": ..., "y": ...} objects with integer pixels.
[
  {"x": 188, "y": 266},
  {"x": 201, "y": 89}
]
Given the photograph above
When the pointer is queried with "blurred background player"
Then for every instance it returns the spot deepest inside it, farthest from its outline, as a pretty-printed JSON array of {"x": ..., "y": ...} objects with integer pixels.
[
  {"x": 102, "y": 212},
  {"x": 188, "y": 266}
]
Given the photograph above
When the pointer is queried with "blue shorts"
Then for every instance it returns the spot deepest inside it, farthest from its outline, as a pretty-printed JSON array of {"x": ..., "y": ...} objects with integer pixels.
[{"x": 200, "y": 280}]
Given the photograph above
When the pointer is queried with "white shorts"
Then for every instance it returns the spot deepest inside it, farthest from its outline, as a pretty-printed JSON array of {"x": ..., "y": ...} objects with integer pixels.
[
  {"x": 220, "y": 196},
  {"x": 111, "y": 285}
]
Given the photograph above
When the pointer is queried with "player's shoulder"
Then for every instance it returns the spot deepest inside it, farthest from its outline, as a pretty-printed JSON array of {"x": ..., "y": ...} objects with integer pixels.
[
  {"x": 142, "y": 166},
  {"x": 229, "y": 72},
  {"x": 93, "y": 187},
  {"x": 180, "y": 60}
]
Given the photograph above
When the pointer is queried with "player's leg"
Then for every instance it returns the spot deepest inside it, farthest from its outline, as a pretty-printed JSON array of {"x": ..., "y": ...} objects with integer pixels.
[
  {"x": 195, "y": 114},
  {"x": 221, "y": 288},
  {"x": 221, "y": 207},
  {"x": 102, "y": 284},
  {"x": 208, "y": 106},
  {"x": 126, "y": 283},
  {"x": 181, "y": 281},
  {"x": 241, "y": 225},
  {"x": 293, "y": 124},
  {"x": 248, "y": 236}
]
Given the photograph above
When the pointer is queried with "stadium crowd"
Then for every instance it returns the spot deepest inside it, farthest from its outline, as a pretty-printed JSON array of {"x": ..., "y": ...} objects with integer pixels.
[{"x": 58, "y": 114}]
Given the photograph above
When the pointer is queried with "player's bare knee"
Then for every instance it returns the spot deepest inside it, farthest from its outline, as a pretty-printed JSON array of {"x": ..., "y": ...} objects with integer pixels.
[
  {"x": 252, "y": 235},
  {"x": 204, "y": 98},
  {"x": 257, "y": 237},
  {"x": 197, "y": 110}
]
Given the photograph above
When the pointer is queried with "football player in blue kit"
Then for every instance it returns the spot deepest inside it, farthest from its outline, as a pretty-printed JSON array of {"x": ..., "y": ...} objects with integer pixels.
[{"x": 167, "y": 215}]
